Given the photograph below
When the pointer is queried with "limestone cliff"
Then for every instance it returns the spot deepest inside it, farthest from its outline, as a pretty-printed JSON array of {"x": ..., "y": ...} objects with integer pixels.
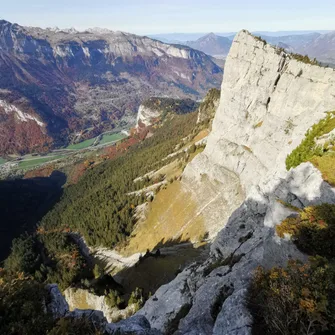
[
  {"x": 154, "y": 110},
  {"x": 268, "y": 102}
]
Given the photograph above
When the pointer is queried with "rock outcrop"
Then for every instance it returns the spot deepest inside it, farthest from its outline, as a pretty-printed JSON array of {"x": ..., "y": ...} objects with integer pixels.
[
  {"x": 59, "y": 308},
  {"x": 83, "y": 299},
  {"x": 155, "y": 110},
  {"x": 268, "y": 102},
  {"x": 87, "y": 81}
]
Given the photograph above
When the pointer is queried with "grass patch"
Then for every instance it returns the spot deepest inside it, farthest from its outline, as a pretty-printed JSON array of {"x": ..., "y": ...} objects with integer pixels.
[
  {"x": 171, "y": 213},
  {"x": 326, "y": 165},
  {"x": 308, "y": 149},
  {"x": 81, "y": 145},
  {"x": 111, "y": 138},
  {"x": 35, "y": 162},
  {"x": 2, "y": 161}
]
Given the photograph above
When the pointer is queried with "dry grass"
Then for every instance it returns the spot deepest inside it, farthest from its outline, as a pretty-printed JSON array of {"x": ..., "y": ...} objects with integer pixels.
[
  {"x": 201, "y": 135},
  {"x": 79, "y": 300},
  {"x": 326, "y": 165},
  {"x": 170, "y": 170},
  {"x": 172, "y": 216}
]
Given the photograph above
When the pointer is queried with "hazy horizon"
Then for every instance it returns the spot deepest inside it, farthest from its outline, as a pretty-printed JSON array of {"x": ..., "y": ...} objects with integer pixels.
[{"x": 184, "y": 16}]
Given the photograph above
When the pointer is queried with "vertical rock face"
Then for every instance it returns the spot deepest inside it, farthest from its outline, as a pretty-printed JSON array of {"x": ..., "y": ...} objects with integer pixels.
[{"x": 268, "y": 102}]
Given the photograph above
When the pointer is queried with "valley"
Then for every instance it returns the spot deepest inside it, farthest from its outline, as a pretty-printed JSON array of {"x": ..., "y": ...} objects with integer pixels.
[
  {"x": 60, "y": 83},
  {"x": 19, "y": 164},
  {"x": 137, "y": 197}
]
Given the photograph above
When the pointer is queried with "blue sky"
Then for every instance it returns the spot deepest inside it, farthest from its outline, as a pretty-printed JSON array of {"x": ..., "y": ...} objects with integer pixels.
[{"x": 156, "y": 16}]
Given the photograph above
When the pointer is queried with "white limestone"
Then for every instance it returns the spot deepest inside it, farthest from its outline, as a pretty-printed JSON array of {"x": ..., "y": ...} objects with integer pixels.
[
  {"x": 268, "y": 103},
  {"x": 21, "y": 116},
  {"x": 146, "y": 115}
]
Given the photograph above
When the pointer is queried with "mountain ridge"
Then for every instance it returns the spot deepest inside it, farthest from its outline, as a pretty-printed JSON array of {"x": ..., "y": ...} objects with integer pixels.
[{"x": 83, "y": 80}]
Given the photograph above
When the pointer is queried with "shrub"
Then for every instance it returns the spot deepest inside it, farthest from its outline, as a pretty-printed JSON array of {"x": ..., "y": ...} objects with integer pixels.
[
  {"x": 295, "y": 300},
  {"x": 114, "y": 299},
  {"x": 313, "y": 230},
  {"x": 98, "y": 271},
  {"x": 137, "y": 298},
  {"x": 258, "y": 38},
  {"x": 192, "y": 149},
  {"x": 307, "y": 149},
  {"x": 21, "y": 308},
  {"x": 305, "y": 59}
]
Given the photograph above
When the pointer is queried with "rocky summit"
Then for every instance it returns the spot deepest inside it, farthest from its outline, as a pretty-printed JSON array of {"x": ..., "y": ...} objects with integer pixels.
[{"x": 67, "y": 82}]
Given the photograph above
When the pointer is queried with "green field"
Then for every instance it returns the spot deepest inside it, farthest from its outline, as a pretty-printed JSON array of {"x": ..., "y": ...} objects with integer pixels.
[
  {"x": 82, "y": 145},
  {"x": 111, "y": 138},
  {"x": 35, "y": 162},
  {"x": 2, "y": 161}
]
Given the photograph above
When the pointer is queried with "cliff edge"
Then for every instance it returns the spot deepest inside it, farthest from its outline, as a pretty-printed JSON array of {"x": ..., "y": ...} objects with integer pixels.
[{"x": 269, "y": 100}]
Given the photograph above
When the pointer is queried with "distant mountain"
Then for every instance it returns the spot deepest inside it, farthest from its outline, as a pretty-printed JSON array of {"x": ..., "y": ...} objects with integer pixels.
[
  {"x": 297, "y": 42},
  {"x": 184, "y": 37},
  {"x": 212, "y": 44},
  {"x": 55, "y": 83},
  {"x": 315, "y": 44},
  {"x": 322, "y": 48}
]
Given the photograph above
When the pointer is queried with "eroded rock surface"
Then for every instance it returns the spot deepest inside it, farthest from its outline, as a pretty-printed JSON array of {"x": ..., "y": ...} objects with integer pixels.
[{"x": 268, "y": 102}]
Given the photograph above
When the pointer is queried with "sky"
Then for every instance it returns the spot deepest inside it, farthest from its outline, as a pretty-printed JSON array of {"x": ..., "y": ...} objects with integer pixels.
[{"x": 171, "y": 16}]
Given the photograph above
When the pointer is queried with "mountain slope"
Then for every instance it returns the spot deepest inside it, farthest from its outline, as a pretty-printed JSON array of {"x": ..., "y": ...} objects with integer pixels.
[
  {"x": 268, "y": 102},
  {"x": 212, "y": 44},
  {"x": 91, "y": 80},
  {"x": 322, "y": 48}
]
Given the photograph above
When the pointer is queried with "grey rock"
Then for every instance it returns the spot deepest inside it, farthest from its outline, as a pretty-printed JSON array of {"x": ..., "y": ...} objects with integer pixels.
[
  {"x": 56, "y": 305},
  {"x": 169, "y": 304},
  {"x": 137, "y": 324},
  {"x": 240, "y": 177}
]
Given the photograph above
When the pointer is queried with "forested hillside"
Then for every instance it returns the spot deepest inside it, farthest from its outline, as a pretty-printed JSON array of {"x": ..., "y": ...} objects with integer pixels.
[{"x": 98, "y": 206}]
